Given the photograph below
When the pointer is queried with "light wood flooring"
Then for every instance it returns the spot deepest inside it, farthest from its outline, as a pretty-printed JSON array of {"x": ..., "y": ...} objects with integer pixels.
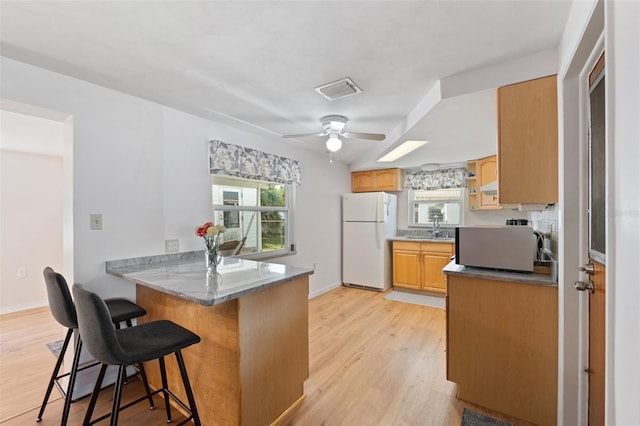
[{"x": 372, "y": 362}]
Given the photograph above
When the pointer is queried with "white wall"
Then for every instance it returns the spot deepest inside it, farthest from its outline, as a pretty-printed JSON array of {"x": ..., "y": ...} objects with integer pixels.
[
  {"x": 143, "y": 166},
  {"x": 622, "y": 46},
  {"x": 31, "y": 197}
]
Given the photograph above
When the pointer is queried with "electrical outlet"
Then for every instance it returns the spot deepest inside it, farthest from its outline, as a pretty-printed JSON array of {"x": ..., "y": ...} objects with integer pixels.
[
  {"x": 171, "y": 246},
  {"x": 22, "y": 273},
  {"x": 95, "y": 222}
]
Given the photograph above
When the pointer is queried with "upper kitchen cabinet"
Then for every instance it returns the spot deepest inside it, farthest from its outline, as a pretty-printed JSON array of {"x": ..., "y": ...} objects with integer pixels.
[
  {"x": 377, "y": 180},
  {"x": 482, "y": 183},
  {"x": 528, "y": 142}
]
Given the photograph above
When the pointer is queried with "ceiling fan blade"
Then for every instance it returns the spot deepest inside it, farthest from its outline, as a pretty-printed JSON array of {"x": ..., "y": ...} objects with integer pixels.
[
  {"x": 303, "y": 135},
  {"x": 370, "y": 136}
]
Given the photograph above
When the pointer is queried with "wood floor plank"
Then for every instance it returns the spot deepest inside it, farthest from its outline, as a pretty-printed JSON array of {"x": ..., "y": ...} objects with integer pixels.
[
  {"x": 25, "y": 361},
  {"x": 372, "y": 362}
]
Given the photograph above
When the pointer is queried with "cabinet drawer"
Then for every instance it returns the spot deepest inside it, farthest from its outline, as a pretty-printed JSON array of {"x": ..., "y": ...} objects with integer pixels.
[
  {"x": 406, "y": 245},
  {"x": 437, "y": 247}
]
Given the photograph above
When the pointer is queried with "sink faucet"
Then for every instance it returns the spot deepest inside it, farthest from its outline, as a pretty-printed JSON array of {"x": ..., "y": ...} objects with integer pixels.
[{"x": 436, "y": 226}]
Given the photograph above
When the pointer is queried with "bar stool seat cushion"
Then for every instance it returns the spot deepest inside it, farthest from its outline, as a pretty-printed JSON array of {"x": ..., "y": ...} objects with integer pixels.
[
  {"x": 153, "y": 340},
  {"x": 123, "y": 310},
  {"x": 129, "y": 345}
]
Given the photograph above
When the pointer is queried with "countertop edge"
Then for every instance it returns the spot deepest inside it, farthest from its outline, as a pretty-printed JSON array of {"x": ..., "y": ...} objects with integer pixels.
[
  {"x": 128, "y": 269},
  {"x": 424, "y": 240},
  {"x": 492, "y": 274}
]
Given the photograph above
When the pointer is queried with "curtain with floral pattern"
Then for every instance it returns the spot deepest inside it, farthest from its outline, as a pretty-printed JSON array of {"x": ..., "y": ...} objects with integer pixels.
[
  {"x": 239, "y": 161},
  {"x": 436, "y": 179}
]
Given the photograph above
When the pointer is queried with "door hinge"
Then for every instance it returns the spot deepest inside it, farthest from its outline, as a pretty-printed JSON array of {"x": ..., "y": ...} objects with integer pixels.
[{"x": 586, "y": 371}]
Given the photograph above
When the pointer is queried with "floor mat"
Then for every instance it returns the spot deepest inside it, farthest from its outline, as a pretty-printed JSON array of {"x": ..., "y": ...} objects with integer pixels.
[
  {"x": 471, "y": 418},
  {"x": 55, "y": 347},
  {"x": 416, "y": 299}
]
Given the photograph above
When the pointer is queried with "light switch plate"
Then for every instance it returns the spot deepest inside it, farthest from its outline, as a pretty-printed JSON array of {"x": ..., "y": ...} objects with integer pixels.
[{"x": 95, "y": 222}]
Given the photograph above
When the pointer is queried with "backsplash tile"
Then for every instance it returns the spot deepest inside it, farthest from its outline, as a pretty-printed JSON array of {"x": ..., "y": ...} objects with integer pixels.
[{"x": 547, "y": 221}]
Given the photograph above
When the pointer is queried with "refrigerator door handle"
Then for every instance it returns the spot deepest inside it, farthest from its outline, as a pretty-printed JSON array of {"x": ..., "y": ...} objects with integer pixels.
[{"x": 377, "y": 236}]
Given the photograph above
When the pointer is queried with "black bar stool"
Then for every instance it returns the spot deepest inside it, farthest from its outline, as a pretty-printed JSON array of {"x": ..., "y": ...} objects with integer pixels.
[
  {"x": 129, "y": 346},
  {"x": 64, "y": 311}
]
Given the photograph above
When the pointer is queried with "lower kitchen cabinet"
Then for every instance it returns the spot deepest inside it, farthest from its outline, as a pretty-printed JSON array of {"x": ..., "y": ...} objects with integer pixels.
[
  {"x": 502, "y": 346},
  {"x": 418, "y": 265}
]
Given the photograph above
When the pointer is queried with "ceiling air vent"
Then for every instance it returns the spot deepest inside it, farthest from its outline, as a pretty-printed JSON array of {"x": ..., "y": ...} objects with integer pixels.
[{"x": 338, "y": 89}]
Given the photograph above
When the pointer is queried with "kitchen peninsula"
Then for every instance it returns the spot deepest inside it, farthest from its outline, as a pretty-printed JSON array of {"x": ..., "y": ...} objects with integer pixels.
[
  {"x": 502, "y": 340},
  {"x": 252, "y": 317}
]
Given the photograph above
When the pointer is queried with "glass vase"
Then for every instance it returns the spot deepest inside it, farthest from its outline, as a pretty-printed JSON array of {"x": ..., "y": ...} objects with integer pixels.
[
  {"x": 211, "y": 254},
  {"x": 211, "y": 258}
]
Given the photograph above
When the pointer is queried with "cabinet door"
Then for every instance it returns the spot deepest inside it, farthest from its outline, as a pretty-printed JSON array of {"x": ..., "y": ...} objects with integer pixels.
[
  {"x": 406, "y": 269},
  {"x": 387, "y": 180},
  {"x": 361, "y": 181},
  {"x": 432, "y": 277},
  {"x": 488, "y": 172},
  {"x": 528, "y": 142}
]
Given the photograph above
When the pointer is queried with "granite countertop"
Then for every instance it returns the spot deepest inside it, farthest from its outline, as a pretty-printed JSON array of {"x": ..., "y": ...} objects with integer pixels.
[
  {"x": 184, "y": 275},
  {"x": 494, "y": 274},
  {"x": 424, "y": 239}
]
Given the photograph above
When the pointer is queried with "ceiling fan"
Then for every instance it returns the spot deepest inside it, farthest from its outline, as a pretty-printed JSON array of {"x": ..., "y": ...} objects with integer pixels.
[{"x": 333, "y": 126}]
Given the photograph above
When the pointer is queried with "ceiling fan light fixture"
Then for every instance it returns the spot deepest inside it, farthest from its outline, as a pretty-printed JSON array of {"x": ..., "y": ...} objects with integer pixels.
[
  {"x": 334, "y": 143},
  {"x": 334, "y": 123}
]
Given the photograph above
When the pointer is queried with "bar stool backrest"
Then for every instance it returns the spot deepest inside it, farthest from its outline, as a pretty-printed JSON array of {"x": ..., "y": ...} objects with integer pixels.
[
  {"x": 60, "y": 302},
  {"x": 96, "y": 328}
]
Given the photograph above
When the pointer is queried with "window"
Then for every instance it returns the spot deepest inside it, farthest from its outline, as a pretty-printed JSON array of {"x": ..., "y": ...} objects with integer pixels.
[
  {"x": 424, "y": 205},
  {"x": 231, "y": 219},
  {"x": 257, "y": 216}
]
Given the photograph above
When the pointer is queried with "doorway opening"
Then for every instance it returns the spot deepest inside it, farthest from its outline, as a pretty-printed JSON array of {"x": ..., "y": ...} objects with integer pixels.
[{"x": 36, "y": 203}]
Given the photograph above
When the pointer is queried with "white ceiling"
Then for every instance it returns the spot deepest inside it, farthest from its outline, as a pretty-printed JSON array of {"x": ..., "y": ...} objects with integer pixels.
[{"x": 257, "y": 63}]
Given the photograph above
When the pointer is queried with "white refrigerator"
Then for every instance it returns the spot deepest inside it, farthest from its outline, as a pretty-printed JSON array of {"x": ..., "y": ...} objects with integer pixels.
[{"x": 368, "y": 221}]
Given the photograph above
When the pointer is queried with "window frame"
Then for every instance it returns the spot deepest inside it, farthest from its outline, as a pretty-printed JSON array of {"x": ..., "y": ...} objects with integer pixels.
[
  {"x": 411, "y": 213},
  {"x": 288, "y": 209}
]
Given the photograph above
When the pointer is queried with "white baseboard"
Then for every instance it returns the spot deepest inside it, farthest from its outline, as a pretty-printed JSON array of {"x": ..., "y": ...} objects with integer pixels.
[
  {"x": 23, "y": 307},
  {"x": 323, "y": 290}
]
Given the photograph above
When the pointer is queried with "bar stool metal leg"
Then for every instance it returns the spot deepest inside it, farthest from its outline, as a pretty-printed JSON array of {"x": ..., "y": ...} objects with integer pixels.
[
  {"x": 72, "y": 382},
  {"x": 187, "y": 389},
  {"x": 165, "y": 386},
  {"x": 54, "y": 375},
  {"x": 143, "y": 376},
  {"x": 117, "y": 395},
  {"x": 94, "y": 396}
]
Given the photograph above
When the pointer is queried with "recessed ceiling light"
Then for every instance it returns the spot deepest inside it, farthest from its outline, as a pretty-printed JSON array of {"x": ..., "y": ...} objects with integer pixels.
[{"x": 401, "y": 150}]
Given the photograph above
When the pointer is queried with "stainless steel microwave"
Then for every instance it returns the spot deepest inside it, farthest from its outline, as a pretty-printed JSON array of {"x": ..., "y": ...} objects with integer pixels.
[{"x": 499, "y": 247}]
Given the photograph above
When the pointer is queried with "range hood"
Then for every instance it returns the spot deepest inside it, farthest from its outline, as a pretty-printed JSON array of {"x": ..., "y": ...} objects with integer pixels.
[{"x": 491, "y": 188}]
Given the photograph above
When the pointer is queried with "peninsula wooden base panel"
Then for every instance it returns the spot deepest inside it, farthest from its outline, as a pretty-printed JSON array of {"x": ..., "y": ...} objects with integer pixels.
[
  {"x": 502, "y": 345},
  {"x": 253, "y": 359}
]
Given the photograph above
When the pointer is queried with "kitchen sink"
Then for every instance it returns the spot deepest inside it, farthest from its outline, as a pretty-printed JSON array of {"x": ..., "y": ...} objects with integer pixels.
[{"x": 442, "y": 236}]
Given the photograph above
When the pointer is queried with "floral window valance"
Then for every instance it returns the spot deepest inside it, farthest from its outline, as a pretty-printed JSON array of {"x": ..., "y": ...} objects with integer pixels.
[
  {"x": 436, "y": 179},
  {"x": 239, "y": 161}
]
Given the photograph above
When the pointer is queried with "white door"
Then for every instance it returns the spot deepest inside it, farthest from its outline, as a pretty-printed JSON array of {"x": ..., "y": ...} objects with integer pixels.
[
  {"x": 593, "y": 280},
  {"x": 363, "y": 249}
]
